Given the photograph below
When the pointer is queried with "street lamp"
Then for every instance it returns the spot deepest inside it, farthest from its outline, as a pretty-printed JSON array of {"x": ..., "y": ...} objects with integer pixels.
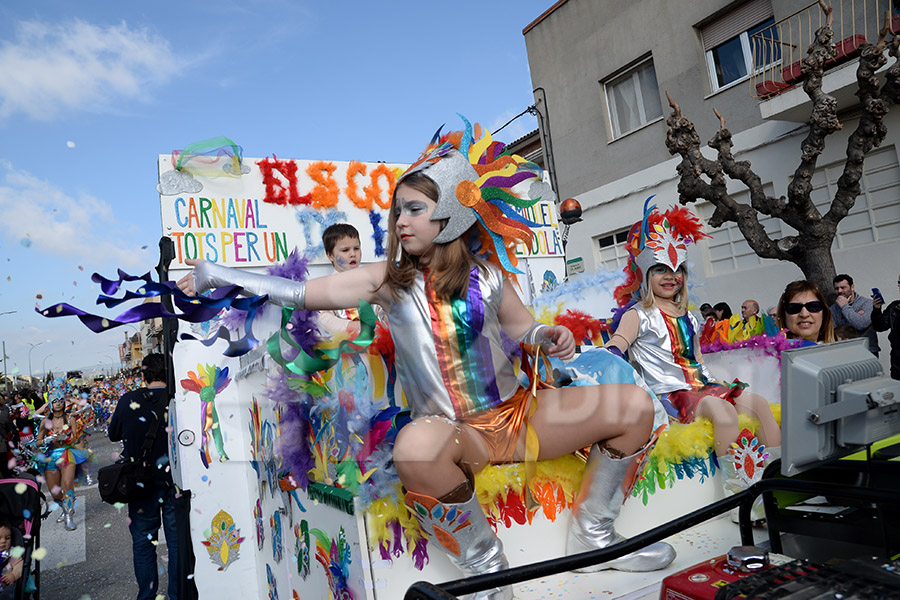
[
  {"x": 33, "y": 346},
  {"x": 8, "y": 312},
  {"x": 44, "y": 365},
  {"x": 112, "y": 368}
]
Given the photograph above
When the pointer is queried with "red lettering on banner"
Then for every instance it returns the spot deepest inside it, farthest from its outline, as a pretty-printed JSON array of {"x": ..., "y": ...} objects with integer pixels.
[{"x": 276, "y": 190}]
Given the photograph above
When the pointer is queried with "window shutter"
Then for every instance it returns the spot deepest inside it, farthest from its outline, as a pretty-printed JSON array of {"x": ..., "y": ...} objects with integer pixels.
[{"x": 735, "y": 22}]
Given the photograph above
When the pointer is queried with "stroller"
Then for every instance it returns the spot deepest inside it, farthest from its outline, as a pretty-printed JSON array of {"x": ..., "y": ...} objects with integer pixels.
[{"x": 24, "y": 508}]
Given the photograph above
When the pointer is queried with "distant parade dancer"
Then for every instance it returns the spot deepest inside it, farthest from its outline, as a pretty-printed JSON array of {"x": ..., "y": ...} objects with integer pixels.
[{"x": 58, "y": 438}]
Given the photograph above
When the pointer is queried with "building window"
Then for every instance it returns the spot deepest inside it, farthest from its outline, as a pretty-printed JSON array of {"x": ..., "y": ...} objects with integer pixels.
[
  {"x": 730, "y": 47},
  {"x": 611, "y": 251},
  {"x": 875, "y": 216},
  {"x": 633, "y": 98}
]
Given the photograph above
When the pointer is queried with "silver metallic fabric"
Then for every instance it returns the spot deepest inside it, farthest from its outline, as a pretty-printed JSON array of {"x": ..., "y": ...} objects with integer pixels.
[
  {"x": 594, "y": 513},
  {"x": 463, "y": 533},
  {"x": 651, "y": 352},
  {"x": 447, "y": 173},
  {"x": 409, "y": 318},
  {"x": 535, "y": 334},
  {"x": 69, "y": 507},
  {"x": 281, "y": 291}
]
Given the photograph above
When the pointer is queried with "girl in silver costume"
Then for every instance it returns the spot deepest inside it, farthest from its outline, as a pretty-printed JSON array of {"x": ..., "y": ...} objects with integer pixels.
[
  {"x": 445, "y": 308},
  {"x": 663, "y": 341}
]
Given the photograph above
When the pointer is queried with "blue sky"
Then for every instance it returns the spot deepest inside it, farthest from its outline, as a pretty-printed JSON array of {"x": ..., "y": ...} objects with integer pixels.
[{"x": 91, "y": 92}]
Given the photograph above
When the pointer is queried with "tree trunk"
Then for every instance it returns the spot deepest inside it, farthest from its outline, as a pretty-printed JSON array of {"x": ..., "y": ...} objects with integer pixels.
[{"x": 817, "y": 265}]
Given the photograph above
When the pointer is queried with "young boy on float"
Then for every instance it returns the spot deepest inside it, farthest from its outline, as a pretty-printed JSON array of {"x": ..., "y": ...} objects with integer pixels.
[
  {"x": 341, "y": 243},
  {"x": 663, "y": 341},
  {"x": 446, "y": 308}
]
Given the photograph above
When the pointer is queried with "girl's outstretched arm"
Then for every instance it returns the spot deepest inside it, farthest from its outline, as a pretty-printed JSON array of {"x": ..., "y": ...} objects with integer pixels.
[
  {"x": 340, "y": 290},
  {"x": 519, "y": 324},
  {"x": 625, "y": 333}
]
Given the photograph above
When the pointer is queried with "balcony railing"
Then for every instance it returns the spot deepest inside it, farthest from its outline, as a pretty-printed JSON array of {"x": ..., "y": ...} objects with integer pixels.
[{"x": 779, "y": 49}]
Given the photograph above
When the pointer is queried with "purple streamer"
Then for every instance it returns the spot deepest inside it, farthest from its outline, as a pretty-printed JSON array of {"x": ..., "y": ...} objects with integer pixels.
[{"x": 193, "y": 309}]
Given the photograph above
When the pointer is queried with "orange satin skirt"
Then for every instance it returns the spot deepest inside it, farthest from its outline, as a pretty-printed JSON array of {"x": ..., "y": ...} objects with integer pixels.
[{"x": 501, "y": 426}]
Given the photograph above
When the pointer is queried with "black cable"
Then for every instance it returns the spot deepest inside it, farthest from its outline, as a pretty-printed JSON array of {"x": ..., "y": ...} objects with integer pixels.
[{"x": 532, "y": 110}]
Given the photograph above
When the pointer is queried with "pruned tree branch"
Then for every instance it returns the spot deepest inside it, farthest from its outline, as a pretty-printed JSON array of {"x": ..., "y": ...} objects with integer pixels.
[
  {"x": 682, "y": 139},
  {"x": 870, "y": 130},
  {"x": 810, "y": 249},
  {"x": 822, "y": 122}
]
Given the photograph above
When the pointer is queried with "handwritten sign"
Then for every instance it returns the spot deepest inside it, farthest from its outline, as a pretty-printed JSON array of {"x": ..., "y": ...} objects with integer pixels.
[{"x": 276, "y": 205}]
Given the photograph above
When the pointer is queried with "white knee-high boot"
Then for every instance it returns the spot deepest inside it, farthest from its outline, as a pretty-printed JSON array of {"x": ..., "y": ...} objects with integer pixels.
[
  {"x": 462, "y": 531},
  {"x": 599, "y": 501}
]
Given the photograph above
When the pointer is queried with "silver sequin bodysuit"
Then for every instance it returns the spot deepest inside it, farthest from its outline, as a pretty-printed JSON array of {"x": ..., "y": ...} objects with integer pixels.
[
  {"x": 452, "y": 362},
  {"x": 664, "y": 352}
]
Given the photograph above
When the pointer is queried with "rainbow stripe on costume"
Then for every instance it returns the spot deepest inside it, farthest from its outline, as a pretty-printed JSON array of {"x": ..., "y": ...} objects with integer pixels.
[
  {"x": 463, "y": 352},
  {"x": 682, "y": 335}
]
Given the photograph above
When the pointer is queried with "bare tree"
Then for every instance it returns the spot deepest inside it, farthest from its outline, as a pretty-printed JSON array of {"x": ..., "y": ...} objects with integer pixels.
[{"x": 810, "y": 249}]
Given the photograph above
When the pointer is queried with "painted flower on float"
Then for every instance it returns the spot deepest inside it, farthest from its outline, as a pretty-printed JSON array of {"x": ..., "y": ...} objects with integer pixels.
[{"x": 208, "y": 381}]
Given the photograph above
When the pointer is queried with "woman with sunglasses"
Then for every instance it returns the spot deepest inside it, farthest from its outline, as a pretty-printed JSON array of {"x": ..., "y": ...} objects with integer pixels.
[{"x": 804, "y": 313}]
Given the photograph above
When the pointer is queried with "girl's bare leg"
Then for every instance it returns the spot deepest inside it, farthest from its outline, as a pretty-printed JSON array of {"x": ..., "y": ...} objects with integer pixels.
[
  {"x": 435, "y": 459},
  {"x": 724, "y": 419},
  {"x": 430, "y": 454},
  {"x": 567, "y": 419},
  {"x": 53, "y": 479},
  {"x": 616, "y": 421},
  {"x": 756, "y": 406},
  {"x": 68, "y": 479}
]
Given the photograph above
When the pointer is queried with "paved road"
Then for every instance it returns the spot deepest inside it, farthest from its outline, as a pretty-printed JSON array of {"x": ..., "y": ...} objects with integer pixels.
[{"x": 94, "y": 561}]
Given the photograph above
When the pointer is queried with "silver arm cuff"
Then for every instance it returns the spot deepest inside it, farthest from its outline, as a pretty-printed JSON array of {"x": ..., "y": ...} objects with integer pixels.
[
  {"x": 536, "y": 334},
  {"x": 281, "y": 291}
]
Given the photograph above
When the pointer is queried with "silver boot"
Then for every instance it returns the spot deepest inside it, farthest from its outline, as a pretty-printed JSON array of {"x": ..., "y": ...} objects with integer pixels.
[
  {"x": 62, "y": 510},
  {"x": 597, "y": 505},
  {"x": 69, "y": 507},
  {"x": 462, "y": 531}
]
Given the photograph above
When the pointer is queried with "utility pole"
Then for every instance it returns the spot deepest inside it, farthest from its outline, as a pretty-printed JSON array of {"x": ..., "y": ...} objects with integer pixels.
[{"x": 5, "y": 376}]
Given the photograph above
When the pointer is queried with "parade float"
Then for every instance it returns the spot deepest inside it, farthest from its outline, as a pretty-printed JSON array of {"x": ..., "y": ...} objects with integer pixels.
[{"x": 283, "y": 436}]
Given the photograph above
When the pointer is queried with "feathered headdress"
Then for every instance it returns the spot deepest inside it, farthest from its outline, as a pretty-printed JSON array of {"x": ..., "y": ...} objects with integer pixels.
[
  {"x": 479, "y": 182},
  {"x": 659, "y": 238}
]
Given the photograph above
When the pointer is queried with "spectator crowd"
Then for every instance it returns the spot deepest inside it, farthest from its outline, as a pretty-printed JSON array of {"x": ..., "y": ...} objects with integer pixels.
[{"x": 802, "y": 312}]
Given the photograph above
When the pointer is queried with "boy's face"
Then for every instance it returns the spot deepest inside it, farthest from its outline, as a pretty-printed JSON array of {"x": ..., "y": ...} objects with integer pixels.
[
  {"x": 346, "y": 254},
  {"x": 5, "y": 538}
]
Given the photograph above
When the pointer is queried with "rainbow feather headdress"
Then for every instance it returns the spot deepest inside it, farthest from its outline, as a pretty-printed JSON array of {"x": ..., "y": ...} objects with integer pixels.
[
  {"x": 479, "y": 182},
  {"x": 658, "y": 238}
]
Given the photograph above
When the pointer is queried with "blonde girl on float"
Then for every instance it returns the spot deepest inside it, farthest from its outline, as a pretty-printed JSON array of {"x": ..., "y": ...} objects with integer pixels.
[{"x": 663, "y": 341}]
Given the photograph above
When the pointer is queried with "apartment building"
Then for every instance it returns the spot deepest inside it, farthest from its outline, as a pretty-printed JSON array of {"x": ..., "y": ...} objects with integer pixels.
[{"x": 600, "y": 70}]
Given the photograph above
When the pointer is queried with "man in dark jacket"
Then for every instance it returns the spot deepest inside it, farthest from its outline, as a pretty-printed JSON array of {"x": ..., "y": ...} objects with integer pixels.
[
  {"x": 135, "y": 414},
  {"x": 888, "y": 319}
]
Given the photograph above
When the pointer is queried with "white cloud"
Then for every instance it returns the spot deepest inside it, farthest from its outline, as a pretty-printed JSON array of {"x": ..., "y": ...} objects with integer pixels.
[
  {"x": 70, "y": 144},
  {"x": 51, "y": 69},
  {"x": 58, "y": 223}
]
